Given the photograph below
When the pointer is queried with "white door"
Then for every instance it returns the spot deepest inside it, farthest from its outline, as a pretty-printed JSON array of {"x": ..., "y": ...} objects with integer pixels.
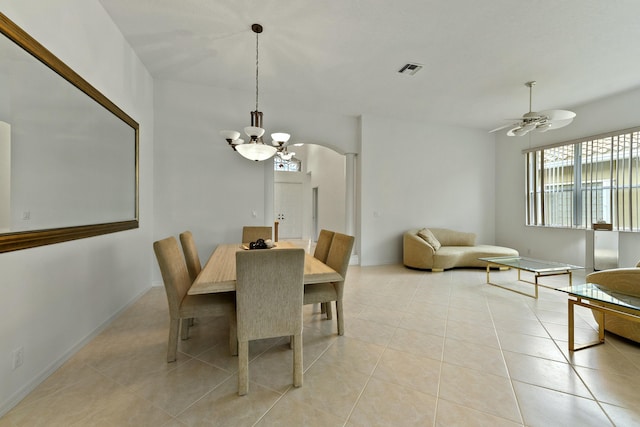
[{"x": 288, "y": 207}]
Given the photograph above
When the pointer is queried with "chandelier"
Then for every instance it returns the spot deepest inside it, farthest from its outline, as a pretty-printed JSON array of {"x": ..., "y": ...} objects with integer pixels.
[{"x": 256, "y": 149}]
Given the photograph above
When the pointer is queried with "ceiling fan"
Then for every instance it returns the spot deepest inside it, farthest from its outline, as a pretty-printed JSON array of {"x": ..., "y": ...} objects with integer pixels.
[{"x": 540, "y": 121}]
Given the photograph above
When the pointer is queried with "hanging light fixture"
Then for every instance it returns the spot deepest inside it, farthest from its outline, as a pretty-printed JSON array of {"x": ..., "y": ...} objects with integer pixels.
[
  {"x": 285, "y": 154},
  {"x": 255, "y": 149},
  {"x": 541, "y": 121}
]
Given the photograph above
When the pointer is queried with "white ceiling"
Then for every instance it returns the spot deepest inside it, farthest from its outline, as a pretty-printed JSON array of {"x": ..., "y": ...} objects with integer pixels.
[{"x": 342, "y": 56}]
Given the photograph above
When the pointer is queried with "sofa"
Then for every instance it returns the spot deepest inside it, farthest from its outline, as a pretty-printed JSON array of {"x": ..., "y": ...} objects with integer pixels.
[
  {"x": 625, "y": 281},
  {"x": 438, "y": 249}
]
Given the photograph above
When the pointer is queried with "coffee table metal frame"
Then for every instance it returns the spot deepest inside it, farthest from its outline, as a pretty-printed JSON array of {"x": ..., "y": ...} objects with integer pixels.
[
  {"x": 539, "y": 269},
  {"x": 589, "y": 293}
]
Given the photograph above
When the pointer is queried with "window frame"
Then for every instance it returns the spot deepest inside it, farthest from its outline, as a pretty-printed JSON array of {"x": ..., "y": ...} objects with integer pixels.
[{"x": 591, "y": 168}]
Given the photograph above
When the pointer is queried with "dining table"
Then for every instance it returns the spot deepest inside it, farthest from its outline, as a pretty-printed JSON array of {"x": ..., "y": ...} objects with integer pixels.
[{"x": 219, "y": 273}]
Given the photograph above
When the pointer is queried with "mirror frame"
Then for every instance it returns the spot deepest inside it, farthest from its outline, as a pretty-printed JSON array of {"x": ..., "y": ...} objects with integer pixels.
[{"x": 13, "y": 241}]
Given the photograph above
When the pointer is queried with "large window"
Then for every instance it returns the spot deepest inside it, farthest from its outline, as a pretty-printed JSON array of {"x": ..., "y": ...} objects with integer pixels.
[{"x": 583, "y": 182}]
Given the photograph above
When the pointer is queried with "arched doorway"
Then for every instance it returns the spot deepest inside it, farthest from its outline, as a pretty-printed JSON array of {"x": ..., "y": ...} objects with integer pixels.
[{"x": 313, "y": 198}]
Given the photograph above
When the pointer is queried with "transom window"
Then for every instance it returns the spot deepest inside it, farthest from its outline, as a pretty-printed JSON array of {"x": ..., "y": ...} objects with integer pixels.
[
  {"x": 576, "y": 184},
  {"x": 282, "y": 165}
]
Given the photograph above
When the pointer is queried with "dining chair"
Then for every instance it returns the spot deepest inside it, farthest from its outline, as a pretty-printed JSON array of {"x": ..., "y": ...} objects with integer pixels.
[
  {"x": 321, "y": 251},
  {"x": 194, "y": 267},
  {"x": 183, "y": 306},
  {"x": 264, "y": 280},
  {"x": 338, "y": 259},
  {"x": 253, "y": 233},
  {"x": 190, "y": 254},
  {"x": 323, "y": 244}
]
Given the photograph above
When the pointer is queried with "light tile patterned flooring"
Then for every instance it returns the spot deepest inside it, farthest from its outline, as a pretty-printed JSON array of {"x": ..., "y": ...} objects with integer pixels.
[{"x": 420, "y": 349}]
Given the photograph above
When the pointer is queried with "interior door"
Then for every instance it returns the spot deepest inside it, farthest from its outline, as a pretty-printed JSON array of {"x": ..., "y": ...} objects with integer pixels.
[{"x": 288, "y": 207}]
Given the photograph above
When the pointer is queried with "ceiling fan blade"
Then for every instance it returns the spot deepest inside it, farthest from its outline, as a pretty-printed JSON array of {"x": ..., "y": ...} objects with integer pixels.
[
  {"x": 503, "y": 127},
  {"x": 554, "y": 115},
  {"x": 517, "y": 131},
  {"x": 557, "y": 124}
]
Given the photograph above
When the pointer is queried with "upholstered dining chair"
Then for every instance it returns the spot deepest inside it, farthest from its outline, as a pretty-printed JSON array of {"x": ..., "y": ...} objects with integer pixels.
[
  {"x": 194, "y": 267},
  {"x": 338, "y": 259},
  {"x": 182, "y": 306},
  {"x": 190, "y": 254},
  {"x": 264, "y": 280},
  {"x": 626, "y": 281},
  {"x": 321, "y": 251},
  {"x": 253, "y": 233},
  {"x": 323, "y": 244}
]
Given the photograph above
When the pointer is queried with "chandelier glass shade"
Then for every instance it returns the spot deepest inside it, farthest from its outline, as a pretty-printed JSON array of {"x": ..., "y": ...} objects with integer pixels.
[{"x": 255, "y": 149}]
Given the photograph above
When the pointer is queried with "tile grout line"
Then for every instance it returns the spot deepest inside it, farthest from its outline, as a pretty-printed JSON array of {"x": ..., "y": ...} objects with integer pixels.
[
  {"x": 573, "y": 368},
  {"x": 504, "y": 361},
  {"x": 397, "y": 326}
]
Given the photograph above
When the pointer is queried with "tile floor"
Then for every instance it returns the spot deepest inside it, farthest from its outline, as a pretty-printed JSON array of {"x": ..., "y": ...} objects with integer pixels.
[{"x": 420, "y": 349}]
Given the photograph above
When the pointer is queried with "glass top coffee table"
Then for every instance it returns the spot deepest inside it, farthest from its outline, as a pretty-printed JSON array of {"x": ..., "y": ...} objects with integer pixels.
[
  {"x": 538, "y": 267},
  {"x": 601, "y": 300}
]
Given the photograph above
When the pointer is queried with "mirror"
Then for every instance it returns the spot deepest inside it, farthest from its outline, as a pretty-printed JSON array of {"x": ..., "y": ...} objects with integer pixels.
[{"x": 68, "y": 155}]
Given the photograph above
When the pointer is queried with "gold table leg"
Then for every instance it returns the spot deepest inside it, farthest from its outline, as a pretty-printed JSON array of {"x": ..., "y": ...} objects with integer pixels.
[
  {"x": 570, "y": 311},
  {"x": 504, "y": 287}
]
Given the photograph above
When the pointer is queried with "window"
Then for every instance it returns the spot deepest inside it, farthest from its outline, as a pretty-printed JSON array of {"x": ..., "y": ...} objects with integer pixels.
[
  {"x": 282, "y": 165},
  {"x": 579, "y": 183}
]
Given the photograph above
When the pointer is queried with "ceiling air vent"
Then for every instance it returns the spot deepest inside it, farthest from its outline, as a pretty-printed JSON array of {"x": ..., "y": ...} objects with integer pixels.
[{"x": 410, "y": 69}]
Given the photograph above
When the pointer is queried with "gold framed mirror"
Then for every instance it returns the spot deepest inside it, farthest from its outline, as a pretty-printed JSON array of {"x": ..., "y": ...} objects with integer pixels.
[{"x": 68, "y": 155}]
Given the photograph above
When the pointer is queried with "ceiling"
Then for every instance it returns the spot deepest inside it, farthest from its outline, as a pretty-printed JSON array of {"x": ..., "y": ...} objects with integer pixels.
[{"x": 343, "y": 56}]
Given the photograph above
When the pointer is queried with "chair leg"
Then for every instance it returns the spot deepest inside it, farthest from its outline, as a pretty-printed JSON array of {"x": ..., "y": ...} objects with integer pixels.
[
  {"x": 297, "y": 360},
  {"x": 184, "y": 330},
  {"x": 243, "y": 367},
  {"x": 174, "y": 330},
  {"x": 192, "y": 321},
  {"x": 323, "y": 307},
  {"x": 233, "y": 334},
  {"x": 340, "y": 317},
  {"x": 328, "y": 309}
]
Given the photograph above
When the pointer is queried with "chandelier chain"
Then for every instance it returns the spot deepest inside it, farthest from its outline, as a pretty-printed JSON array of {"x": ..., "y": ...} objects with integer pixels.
[{"x": 257, "y": 36}]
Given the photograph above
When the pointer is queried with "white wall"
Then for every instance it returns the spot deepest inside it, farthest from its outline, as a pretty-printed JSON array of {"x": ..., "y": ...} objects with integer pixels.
[
  {"x": 200, "y": 183},
  {"x": 55, "y": 297},
  {"x": 5, "y": 177},
  {"x": 422, "y": 175},
  {"x": 613, "y": 113}
]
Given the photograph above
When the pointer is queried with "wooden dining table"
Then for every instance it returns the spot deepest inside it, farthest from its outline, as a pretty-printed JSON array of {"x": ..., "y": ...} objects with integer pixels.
[{"x": 219, "y": 273}]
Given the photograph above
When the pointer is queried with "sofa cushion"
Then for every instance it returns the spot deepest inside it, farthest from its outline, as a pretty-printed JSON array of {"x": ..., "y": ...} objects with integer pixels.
[
  {"x": 448, "y": 237},
  {"x": 428, "y": 237}
]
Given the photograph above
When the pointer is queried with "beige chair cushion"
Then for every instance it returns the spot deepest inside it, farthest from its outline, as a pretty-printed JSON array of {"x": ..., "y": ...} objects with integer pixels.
[
  {"x": 625, "y": 281},
  {"x": 428, "y": 237}
]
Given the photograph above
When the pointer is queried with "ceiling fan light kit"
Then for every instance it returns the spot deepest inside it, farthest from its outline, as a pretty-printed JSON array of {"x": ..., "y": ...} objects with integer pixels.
[{"x": 541, "y": 121}]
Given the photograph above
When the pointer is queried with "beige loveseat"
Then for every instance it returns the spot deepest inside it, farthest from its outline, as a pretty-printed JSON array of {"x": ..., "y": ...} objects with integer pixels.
[
  {"x": 438, "y": 249},
  {"x": 625, "y": 281}
]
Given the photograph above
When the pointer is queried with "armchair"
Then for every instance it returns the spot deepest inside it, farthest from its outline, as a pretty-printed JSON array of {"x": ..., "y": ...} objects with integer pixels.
[{"x": 624, "y": 280}]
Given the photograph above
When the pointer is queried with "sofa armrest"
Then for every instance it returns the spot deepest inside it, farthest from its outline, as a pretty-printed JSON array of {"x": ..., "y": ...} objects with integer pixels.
[
  {"x": 416, "y": 252},
  {"x": 624, "y": 280}
]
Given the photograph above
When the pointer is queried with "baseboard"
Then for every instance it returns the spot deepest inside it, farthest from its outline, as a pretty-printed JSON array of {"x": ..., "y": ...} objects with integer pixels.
[{"x": 14, "y": 399}]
